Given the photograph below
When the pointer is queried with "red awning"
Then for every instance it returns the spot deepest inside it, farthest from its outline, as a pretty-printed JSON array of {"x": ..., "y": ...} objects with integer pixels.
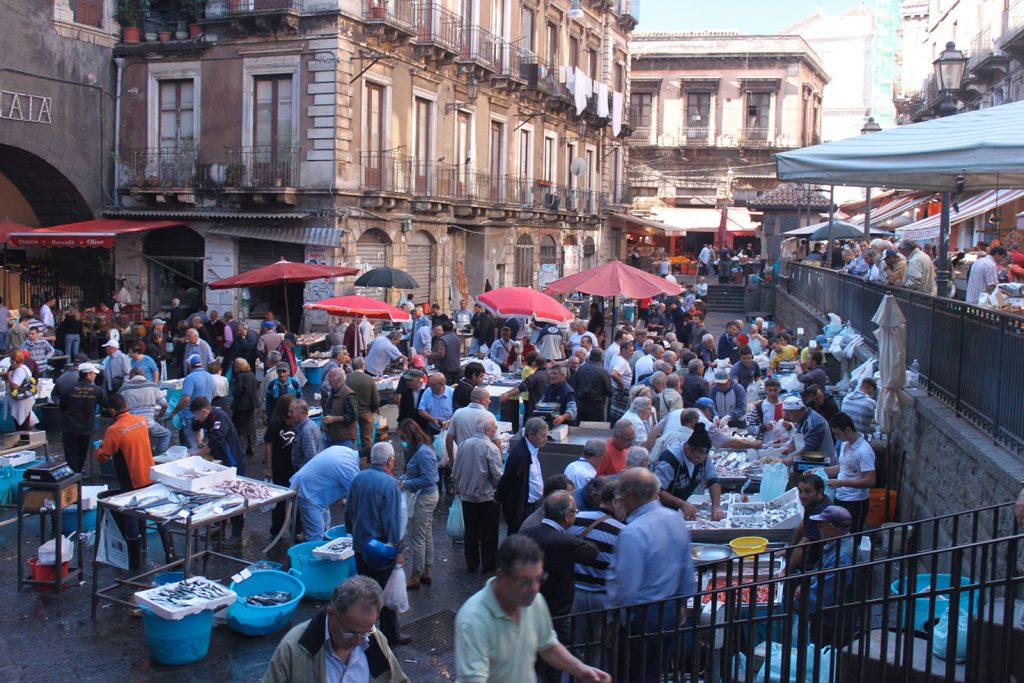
[{"x": 97, "y": 233}]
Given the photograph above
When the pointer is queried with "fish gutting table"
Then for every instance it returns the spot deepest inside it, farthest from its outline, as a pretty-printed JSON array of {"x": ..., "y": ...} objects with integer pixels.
[{"x": 190, "y": 524}]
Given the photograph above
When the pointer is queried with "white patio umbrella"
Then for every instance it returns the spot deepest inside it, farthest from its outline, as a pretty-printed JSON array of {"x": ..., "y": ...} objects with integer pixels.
[{"x": 892, "y": 362}]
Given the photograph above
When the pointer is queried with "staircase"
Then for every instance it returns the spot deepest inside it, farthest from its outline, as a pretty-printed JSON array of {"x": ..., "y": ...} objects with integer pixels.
[{"x": 725, "y": 298}]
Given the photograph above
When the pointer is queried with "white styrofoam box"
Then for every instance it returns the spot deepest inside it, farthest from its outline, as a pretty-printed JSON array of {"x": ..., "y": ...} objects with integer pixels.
[
  {"x": 18, "y": 458},
  {"x": 175, "y": 384},
  {"x": 171, "y": 473},
  {"x": 194, "y": 606},
  {"x": 90, "y": 494},
  {"x": 338, "y": 549}
]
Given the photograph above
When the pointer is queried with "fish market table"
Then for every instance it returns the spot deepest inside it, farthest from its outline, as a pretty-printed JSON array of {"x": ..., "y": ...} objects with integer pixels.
[{"x": 189, "y": 513}]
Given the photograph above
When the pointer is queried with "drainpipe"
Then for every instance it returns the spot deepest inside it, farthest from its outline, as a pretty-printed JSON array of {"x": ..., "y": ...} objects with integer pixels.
[{"x": 119, "y": 63}]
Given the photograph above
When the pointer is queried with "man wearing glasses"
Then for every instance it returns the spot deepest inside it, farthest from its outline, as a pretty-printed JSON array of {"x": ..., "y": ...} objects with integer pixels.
[
  {"x": 340, "y": 642},
  {"x": 501, "y": 629}
]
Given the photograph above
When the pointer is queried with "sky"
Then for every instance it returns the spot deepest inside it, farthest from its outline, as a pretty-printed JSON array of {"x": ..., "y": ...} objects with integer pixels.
[{"x": 745, "y": 16}]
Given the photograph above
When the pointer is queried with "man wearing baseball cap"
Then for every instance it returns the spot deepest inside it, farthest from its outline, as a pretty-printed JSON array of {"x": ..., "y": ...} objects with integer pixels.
[
  {"x": 826, "y": 590},
  {"x": 719, "y": 438},
  {"x": 813, "y": 427},
  {"x": 287, "y": 351},
  {"x": 116, "y": 366},
  {"x": 77, "y": 414}
]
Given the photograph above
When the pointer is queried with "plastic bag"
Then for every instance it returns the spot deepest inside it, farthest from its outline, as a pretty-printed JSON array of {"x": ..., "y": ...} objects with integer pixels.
[
  {"x": 403, "y": 518},
  {"x": 773, "y": 673},
  {"x": 112, "y": 548},
  {"x": 866, "y": 369},
  {"x": 774, "y": 480},
  {"x": 48, "y": 551},
  {"x": 941, "y": 637},
  {"x": 776, "y": 435},
  {"x": 754, "y": 390},
  {"x": 396, "y": 595},
  {"x": 791, "y": 384},
  {"x": 456, "y": 525},
  {"x": 820, "y": 471},
  {"x": 441, "y": 450}
]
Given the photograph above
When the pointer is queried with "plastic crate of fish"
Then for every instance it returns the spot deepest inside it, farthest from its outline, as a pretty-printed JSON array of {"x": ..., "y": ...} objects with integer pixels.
[
  {"x": 191, "y": 474},
  {"x": 338, "y": 549},
  {"x": 178, "y": 600},
  {"x": 17, "y": 458}
]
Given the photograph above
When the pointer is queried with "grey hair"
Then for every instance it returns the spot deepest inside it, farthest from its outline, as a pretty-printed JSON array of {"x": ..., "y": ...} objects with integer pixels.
[
  {"x": 356, "y": 590},
  {"x": 336, "y": 372},
  {"x": 596, "y": 355},
  {"x": 484, "y": 421},
  {"x": 672, "y": 380},
  {"x": 642, "y": 486},
  {"x": 694, "y": 365},
  {"x": 535, "y": 425},
  {"x": 381, "y": 452},
  {"x": 273, "y": 357},
  {"x": 640, "y": 403},
  {"x": 710, "y": 337},
  {"x": 358, "y": 363},
  {"x": 621, "y": 426},
  {"x": 336, "y": 349},
  {"x": 557, "y": 506},
  {"x": 657, "y": 347},
  {"x": 908, "y": 244},
  {"x": 657, "y": 377},
  {"x": 593, "y": 447},
  {"x": 301, "y": 405},
  {"x": 580, "y": 353},
  {"x": 637, "y": 456},
  {"x": 689, "y": 417},
  {"x": 478, "y": 395}
]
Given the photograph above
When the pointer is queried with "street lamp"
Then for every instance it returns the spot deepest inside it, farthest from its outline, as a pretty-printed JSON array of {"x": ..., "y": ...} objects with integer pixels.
[
  {"x": 575, "y": 12},
  {"x": 949, "y": 76},
  {"x": 870, "y": 127},
  {"x": 581, "y": 126},
  {"x": 472, "y": 89}
]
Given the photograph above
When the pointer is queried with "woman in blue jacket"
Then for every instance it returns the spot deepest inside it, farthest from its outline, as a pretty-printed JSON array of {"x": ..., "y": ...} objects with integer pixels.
[{"x": 420, "y": 478}]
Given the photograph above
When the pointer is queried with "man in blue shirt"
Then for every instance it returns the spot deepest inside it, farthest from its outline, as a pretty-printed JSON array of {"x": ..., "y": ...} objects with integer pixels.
[
  {"x": 198, "y": 383},
  {"x": 436, "y": 405},
  {"x": 558, "y": 391},
  {"x": 308, "y": 440},
  {"x": 283, "y": 384},
  {"x": 148, "y": 365},
  {"x": 727, "y": 347},
  {"x": 746, "y": 371},
  {"x": 652, "y": 562},
  {"x": 320, "y": 483},
  {"x": 374, "y": 511},
  {"x": 383, "y": 351}
]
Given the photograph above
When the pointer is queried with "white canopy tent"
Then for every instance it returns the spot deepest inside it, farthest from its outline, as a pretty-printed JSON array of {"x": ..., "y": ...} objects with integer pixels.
[{"x": 985, "y": 147}]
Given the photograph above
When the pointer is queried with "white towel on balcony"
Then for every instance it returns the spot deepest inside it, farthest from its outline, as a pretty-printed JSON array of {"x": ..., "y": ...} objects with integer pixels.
[
  {"x": 581, "y": 91},
  {"x": 616, "y": 113},
  {"x": 568, "y": 76},
  {"x": 602, "y": 100}
]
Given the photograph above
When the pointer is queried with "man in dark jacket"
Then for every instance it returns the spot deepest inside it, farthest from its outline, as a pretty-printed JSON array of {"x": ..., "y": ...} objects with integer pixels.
[
  {"x": 694, "y": 384},
  {"x": 561, "y": 553},
  {"x": 593, "y": 388},
  {"x": 367, "y": 397},
  {"x": 483, "y": 327},
  {"x": 472, "y": 377},
  {"x": 447, "y": 352},
  {"x": 522, "y": 485},
  {"x": 78, "y": 414},
  {"x": 727, "y": 346},
  {"x": 223, "y": 444},
  {"x": 244, "y": 345},
  {"x": 341, "y": 411},
  {"x": 558, "y": 391}
]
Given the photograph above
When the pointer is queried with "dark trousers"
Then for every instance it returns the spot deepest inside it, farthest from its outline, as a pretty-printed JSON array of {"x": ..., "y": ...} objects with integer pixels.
[
  {"x": 388, "y": 617},
  {"x": 76, "y": 449},
  {"x": 445, "y": 480},
  {"x": 592, "y": 411},
  {"x": 514, "y": 524},
  {"x": 366, "y": 430},
  {"x": 452, "y": 376},
  {"x": 858, "y": 509},
  {"x": 282, "y": 473},
  {"x": 481, "y": 542}
]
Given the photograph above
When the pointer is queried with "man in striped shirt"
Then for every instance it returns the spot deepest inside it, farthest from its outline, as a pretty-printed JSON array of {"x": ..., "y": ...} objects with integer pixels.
[
  {"x": 598, "y": 525},
  {"x": 860, "y": 405}
]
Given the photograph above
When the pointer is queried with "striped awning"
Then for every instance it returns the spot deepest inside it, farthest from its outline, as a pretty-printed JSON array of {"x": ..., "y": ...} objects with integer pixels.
[
  {"x": 976, "y": 205},
  {"x": 313, "y": 236}
]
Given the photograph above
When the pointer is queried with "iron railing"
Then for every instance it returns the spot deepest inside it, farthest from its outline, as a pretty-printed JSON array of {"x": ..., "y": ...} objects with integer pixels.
[
  {"x": 508, "y": 60},
  {"x": 436, "y": 26},
  {"x": 160, "y": 167},
  {"x": 981, "y": 48},
  {"x": 942, "y": 335},
  {"x": 218, "y": 8},
  {"x": 698, "y": 135},
  {"x": 262, "y": 166},
  {"x": 871, "y": 614},
  {"x": 755, "y": 135},
  {"x": 477, "y": 46},
  {"x": 397, "y": 13},
  {"x": 1012, "y": 23},
  {"x": 539, "y": 75},
  {"x": 386, "y": 171}
]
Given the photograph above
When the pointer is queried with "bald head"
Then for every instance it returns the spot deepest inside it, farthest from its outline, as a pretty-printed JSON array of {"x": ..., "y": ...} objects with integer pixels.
[
  {"x": 638, "y": 486},
  {"x": 437, "y": 383},
  {"x": 560, "y": 508},
  {"x": 480, "y": 395}
]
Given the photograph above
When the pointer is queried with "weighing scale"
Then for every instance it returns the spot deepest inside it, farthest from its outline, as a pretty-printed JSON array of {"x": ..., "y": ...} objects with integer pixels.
[{"x": 49, "y": 472}]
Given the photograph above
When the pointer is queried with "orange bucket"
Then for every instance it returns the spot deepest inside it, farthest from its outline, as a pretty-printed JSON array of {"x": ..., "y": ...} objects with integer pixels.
[{"x": 876, "y": 507}]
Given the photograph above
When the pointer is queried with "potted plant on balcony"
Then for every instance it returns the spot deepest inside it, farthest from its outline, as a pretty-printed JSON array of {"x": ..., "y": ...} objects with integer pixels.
[
  {"x": 130, "y": 14},
  {"x": 190, "y": 12},
  {"x": 378, "y": 9}
]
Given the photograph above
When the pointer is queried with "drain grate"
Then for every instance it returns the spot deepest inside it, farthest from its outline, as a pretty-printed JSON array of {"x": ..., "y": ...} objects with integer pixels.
[{"x": 433, "y": 634}]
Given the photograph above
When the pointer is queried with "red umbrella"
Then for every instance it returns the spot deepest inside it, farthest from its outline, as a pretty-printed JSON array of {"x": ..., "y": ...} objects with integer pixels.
[
  {"x": 524, "y": 301},
  {"x": 355, "y": 305},
  {"x": 614, "y": 278},
  {"x": 282, "y": 273}
]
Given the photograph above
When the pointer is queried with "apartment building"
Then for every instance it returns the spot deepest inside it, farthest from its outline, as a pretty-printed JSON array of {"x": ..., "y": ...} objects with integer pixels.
[{"x": 470, "y": 142}]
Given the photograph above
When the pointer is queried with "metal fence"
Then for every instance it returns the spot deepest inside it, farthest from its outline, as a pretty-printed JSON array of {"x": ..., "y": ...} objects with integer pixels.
[
  {"x": 971, "y": 358},
  {"x": 871, "y": 615}
]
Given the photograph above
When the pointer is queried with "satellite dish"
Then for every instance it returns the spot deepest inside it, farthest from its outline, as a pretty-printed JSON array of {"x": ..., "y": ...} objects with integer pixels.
[{"x": 578, "y": 166}]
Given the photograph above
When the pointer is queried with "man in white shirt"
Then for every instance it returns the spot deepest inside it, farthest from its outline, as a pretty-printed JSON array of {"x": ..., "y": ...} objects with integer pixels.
[
  {"x": 984, "y": 274},
  {"x": 46, "y": 314},
  {"x": 705, "y": 257},
  {"x": 581, "y": 471}
]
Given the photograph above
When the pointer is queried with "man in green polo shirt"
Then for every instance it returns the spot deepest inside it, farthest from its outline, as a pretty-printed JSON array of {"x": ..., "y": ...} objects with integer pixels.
[{"x": 501, "y": 629}]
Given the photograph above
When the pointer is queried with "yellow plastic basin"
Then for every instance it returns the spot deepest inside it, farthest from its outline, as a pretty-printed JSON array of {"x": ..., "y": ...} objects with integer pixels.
[{"x": 748, "y": 545}]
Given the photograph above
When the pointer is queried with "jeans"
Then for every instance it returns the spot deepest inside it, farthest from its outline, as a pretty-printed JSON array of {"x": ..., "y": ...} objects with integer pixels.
[
  {"x": 388, "y": 617},
  {"x": 420, "y": 536},
  {"x": 316, "y": 519},
  {"x": 159, "y": 437},
  {"x": 186, "y": 434},
  {"x": 481, "y": 546},
  {"x": 72, "y": 345}
]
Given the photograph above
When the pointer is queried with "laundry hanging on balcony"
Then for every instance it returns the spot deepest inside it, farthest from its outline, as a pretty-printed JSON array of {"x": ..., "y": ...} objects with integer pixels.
[
  {"x": 616, "y": 113},
  {"x": 584, "y": 87},
  {"x": 602, "y": 100}
]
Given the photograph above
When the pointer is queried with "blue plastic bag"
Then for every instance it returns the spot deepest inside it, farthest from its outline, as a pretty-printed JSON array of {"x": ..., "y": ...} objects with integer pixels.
[
  {"x": 773, "y": 673},
  {"x": 456, "y": 524},
  {"x": 774, "y": 480}
]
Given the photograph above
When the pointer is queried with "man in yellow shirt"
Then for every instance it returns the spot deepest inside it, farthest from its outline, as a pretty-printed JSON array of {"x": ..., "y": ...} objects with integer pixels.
[{"x": 782, "y": 350}]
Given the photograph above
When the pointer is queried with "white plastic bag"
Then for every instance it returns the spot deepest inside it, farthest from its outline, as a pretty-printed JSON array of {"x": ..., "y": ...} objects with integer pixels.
[
  {"x": 941, "y": 637},
  {"x": 112, "y": 548},
  {"x": 441, "y": 450},
  {"x": 754, "y": 390},
  {"x": 48, "y": 551},
  {"x": 777, "y": 434},
  {"x": 865, "y": 369},
  {"x": 403, "y": 519},
  {"x": 791, "y": 384},
  {"x": 396, "y": 595}
]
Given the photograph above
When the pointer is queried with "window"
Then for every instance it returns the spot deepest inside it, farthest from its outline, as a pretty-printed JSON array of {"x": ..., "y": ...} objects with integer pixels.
[
  {"x": 620, "y": 77},
  {"x": 525, "y": 154},
  {"x": 550, "y": 159},
  {"x": 498, "y": 18},
  {"x": 698, "y": 115},
  {"x": 641, "y": 107},
  {"x": 497, "y": 159},
  {"x": 592, "y": 63},
  {"x": 177, "y": 113},
  {"x": 373, "y": 133},
  {"x": 88, "y": 12},
  {"x": 524, "y": 262},
  {"x": 591, "y": 180},
  {"x": 552, "y": 45},
  {"x": 273, "y": 112},
  {"x": 423, "y": 115},
  {"x": 526, "y": 23},
  {"x": 463, "y": 150},
  {"x": 756, "y": 121},
  {"x": 574, "y": 51}
]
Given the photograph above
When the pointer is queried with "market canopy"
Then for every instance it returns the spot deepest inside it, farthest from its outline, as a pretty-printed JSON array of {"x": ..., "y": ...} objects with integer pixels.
[
  {"x": 681, "y": 221},
  {"x": 985, "y": 147},
  {"x": 976, "y": 205},
  {"x": 524, "y": 301},
  {"x": 282, "y": 273},
  {"x": 355, "y": 306},
  {"x": 96, "y": 233},
  {"x": 614, "y": 278},
  {"x": 9, "y": 227}
]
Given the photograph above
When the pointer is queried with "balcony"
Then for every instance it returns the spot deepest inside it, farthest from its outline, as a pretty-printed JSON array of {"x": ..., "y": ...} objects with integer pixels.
[
  {"x": 387, "y": 172},
  {"x": 539, "y": 77},
  {"x": 578, "y": 200},
  {"x": 478, "y": 50},
  {"x": 987, "y": 63},
  {"x": 265, "y": 168},
  {"x": 698, "y": 136},
  {"x": 641, "y": 135},
  {"x": 508, "y": 69},
  {"x": 629, "y": 14},
  {"x": 1012, "y": 38},
  {"x": 161, "y": 169},
  {"x": 756, "y": 136},
  {"x": 621, "y": 195},
  {"x": 390, "y": 20},
  {"x": 263, "y": 16},
  {"x": 437, "y": 32}
]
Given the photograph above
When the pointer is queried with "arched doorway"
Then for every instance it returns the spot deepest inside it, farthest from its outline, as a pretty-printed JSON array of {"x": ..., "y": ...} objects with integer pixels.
[
  {"x": 571, "y": 256},
  {"x": 175, "y": 258},
  {"x": 373, "y": 250},
  {"x": 589, "y": 259},
  {"x": 53, "y": 198},
  {"x": 420, "y": 264},
  {"x": 524, "y": 262},
  {"x": 549, "y": 266}
]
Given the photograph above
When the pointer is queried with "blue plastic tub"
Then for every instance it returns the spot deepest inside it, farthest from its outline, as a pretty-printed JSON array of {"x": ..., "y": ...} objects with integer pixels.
[
  {"x": 922, "y": 585},
  {"x": 178, "y": 642},
  {"x": 255, "y": 620},
  {"x": 69, "y": 520},
  {"x": 168, "y": 577},
  {"x": 335, "y": 532},
  {"x": 319, "y": 576},
  {"x": 313, "y": 375}
]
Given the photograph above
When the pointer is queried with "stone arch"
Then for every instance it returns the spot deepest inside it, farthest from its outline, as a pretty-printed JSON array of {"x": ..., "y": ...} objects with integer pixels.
[{"x": 53, "y": 197}]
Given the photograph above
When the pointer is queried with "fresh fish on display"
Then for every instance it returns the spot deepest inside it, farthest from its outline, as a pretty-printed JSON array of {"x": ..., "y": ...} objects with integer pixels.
[
  {"x": 269, "y": 598},
  {"x": 148, "y": 502},
  {"x": 187, "y": 592},
  {"x": 247, "y": 488}
]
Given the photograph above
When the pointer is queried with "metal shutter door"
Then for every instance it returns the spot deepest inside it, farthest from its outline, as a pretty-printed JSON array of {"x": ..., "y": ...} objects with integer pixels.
[{"x": 421, "y": 265}]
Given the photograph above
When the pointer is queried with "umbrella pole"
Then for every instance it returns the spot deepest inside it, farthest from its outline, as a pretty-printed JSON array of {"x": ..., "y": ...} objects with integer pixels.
[
  {"x": 831, "y": 217},
  {"x": 287, "y": 310}
]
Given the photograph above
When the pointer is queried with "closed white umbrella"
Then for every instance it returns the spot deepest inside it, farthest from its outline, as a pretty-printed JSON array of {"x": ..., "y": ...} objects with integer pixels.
[{"x": 892, "y": 362}]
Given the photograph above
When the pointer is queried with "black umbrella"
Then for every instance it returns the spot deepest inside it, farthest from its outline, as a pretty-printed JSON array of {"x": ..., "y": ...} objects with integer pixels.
[
  {"x": 841, "y": 230},
  {"x": 388, "y": 278}
]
